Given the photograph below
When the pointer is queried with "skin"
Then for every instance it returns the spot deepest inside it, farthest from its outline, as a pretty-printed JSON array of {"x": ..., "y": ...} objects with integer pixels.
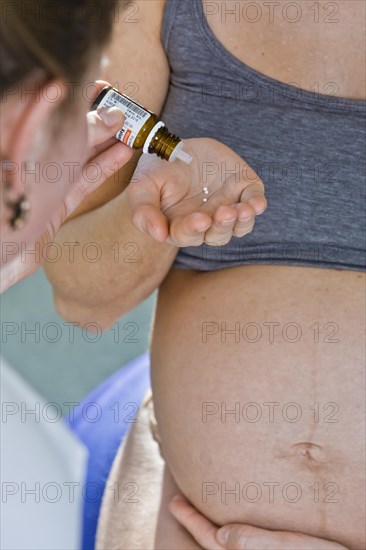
[
  {"x": 85, "y": 142},
  {"x": 146, "y": 491},
  {"x": 312, "y": 453},
  {"x": 240, "y": 537},
  {"x": 286, "y": 64},
  {"x": 18, "y": 140}
]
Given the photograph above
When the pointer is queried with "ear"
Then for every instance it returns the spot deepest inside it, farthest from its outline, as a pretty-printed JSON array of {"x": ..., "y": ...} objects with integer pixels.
[{"x": 35, "y": 113}]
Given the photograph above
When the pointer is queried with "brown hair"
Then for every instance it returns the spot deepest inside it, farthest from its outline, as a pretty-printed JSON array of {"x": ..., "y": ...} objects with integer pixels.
[{"x": 57, "y": 36}]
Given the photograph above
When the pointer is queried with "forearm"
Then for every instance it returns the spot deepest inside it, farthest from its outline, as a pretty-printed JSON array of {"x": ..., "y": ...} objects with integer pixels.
[
  {"x": 106, "y": 265},
  {"x": 103, "y": 290}
]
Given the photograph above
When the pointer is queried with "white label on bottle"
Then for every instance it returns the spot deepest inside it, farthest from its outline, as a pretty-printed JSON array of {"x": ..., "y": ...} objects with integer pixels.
[{"x": 135, "y": 116}]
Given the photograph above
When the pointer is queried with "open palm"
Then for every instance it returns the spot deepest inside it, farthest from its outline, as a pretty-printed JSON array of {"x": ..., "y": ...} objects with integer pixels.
[{"x": 167, "y": 199}]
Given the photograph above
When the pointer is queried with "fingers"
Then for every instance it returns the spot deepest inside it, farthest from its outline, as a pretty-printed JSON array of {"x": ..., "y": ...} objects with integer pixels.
[
  {"x": 246, "y": 220},
  {"x": 111, "y": 160},
  {"x": 214, "y": 223},
  {"x": 144, "y": 202},
  {"x": 253, "y": 195},
  {"x": 240, "y": 537},
  {"x": 103, "y": 124},
  {"x": 99, "y": 85},
  {"x": 239, "y": 222},
  {"x": 253, "y": 203},
  {"x": 202, "y": 530},
  {"x": 190, "y": 230},
  {"x": 149, "y": 219},
  {"x": 95, "y": 172},
  {"x": 221, "y": 231},
  {"x": 197, "y": 228}
]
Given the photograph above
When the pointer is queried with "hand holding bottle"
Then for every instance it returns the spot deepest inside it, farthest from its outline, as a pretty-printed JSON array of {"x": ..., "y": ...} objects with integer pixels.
[
  {"x": 215, "y": 197},
  {"x": 106, "y": 153}
]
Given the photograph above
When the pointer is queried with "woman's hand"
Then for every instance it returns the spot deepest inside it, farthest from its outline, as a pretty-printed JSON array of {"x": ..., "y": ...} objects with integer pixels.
[
  {"x": 106, "y": 152},
  {"x": 166, "y": 199},
  {"x": 240, "y": 537}
]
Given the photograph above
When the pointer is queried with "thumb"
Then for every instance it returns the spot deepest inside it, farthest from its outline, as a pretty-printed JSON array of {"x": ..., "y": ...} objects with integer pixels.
[
  {"x": 103, "y": 124},
  {"x": 148, "y": 218},
  {"x": 144, "y": 202},
  {"x": 240, "y": 537},
  {"x": 234, "y": 537}
]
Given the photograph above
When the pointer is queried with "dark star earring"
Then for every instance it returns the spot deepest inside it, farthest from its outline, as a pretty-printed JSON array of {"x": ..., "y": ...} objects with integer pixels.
[{"x": 20, "y": 210}]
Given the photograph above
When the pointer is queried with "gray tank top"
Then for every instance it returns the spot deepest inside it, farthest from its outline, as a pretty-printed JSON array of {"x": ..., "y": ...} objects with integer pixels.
[{"x": 308, "y": 148}]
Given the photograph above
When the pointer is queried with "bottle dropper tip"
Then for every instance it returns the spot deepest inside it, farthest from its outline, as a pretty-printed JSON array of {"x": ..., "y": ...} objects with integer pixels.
[
  {"x": 180, "y": 154},
  {"x": 185, "y": 157}
]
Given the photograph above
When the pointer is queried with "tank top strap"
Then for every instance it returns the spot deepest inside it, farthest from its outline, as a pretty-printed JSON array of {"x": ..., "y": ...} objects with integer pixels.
[{"x": 170, "y": 11}]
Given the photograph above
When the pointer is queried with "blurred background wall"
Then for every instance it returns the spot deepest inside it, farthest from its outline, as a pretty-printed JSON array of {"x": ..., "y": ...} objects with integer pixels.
[{"x": 62, "y": 362}]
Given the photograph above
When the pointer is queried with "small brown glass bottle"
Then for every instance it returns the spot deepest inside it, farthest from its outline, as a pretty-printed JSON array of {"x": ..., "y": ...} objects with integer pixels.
[{"x": 142, "y": 128}]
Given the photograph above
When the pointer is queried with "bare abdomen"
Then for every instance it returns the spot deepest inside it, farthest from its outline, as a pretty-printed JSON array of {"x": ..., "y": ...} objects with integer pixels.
[{"x": 258, "y": 380}]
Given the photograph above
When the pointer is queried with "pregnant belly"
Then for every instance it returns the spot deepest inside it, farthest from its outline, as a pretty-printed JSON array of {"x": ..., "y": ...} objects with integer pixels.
[{"x": 258, "y": 380}]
